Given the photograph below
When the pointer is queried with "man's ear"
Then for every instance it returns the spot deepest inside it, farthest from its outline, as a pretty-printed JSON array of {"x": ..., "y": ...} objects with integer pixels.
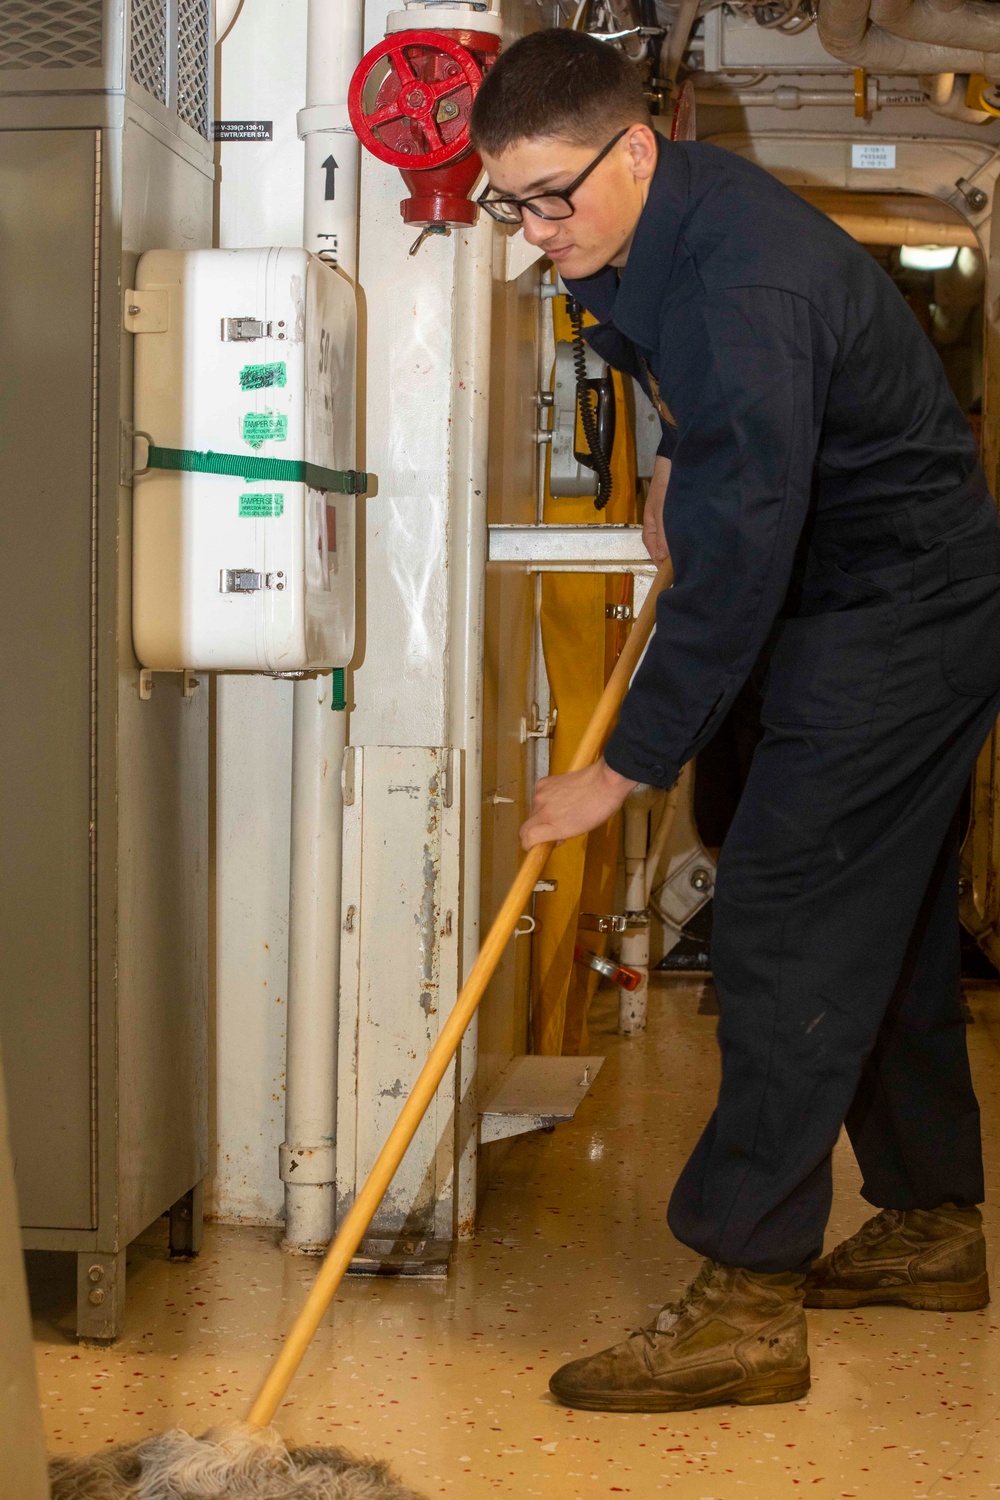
[{"x": 641, "y": 145}]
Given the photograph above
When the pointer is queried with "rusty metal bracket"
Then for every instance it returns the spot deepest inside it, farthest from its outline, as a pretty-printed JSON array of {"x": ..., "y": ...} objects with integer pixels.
[{"x": 629, "y": 921}]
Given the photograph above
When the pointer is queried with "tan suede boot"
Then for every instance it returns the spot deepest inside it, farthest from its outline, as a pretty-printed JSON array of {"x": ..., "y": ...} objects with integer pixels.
[
  {"x": 929, "y": 1258},
  {"x": 735, "y": 1337}
]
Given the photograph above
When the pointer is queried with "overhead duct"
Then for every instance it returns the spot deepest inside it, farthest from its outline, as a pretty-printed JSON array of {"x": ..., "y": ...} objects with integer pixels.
[
  {"x": 969, "y": 23},
  {"x": 848, "y": 32}
]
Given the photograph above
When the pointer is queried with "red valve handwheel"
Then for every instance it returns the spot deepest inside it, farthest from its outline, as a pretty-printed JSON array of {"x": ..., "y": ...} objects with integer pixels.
[{"x": 404, "y": 128}]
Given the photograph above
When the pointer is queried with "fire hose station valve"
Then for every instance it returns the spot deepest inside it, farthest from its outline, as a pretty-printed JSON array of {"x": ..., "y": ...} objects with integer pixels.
[{"x": 410, "y": 100}]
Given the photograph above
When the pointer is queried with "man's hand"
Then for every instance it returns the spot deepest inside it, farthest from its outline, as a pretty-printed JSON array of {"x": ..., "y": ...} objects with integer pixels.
[
  {"x": 575, "y": 803},
  {"x": 653, "y": 537}
]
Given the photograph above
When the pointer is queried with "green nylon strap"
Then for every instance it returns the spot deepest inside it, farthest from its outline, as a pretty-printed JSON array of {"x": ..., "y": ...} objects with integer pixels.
[{"x": 249, "y": 466}]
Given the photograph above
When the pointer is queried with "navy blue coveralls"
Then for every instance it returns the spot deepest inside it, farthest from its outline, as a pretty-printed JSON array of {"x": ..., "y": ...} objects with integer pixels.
[{"x": 830, "y": 529}]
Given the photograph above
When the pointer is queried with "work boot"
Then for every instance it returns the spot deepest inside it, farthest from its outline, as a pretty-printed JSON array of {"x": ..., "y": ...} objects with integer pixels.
[
  {"x": 734, "y": 1337},
  {"x": 929, "y": 1258}
]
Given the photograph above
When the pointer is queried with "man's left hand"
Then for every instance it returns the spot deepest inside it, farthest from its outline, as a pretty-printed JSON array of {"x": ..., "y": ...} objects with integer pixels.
[{"x": 565, "y": 806}]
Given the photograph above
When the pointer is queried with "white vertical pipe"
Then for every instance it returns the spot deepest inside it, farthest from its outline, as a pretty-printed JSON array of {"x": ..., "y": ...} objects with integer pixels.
[
  {"x": 319, "y": 733},
  {"x": 335, "y": 45},
  {"x": 632, "y": 1004},
  {"x": 307, "y": 1155},
  {"x": 262, "y": 76},
  {"x": 467, "y": 566}
]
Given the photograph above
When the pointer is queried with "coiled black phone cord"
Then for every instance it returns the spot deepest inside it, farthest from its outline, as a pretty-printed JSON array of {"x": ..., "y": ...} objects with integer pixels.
[{"x": 601, "y": 465}]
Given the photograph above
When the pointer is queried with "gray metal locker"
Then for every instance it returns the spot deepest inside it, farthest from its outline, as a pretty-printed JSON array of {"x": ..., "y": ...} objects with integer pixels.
[{"x": 104, "y": 152}]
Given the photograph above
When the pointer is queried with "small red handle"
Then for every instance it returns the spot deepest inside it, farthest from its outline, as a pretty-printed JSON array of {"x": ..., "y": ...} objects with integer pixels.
[
  {"x": 622, "y": 975},
  {"x": 415, "y": 100}
]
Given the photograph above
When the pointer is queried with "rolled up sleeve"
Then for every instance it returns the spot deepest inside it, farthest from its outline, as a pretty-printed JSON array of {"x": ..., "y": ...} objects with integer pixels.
[
  {"x": 667, "y": 446},
  {"x": 749, "y": 414}
]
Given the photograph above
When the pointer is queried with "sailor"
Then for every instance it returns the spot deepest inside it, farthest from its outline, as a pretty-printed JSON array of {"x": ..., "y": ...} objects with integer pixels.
[{"x": 831, "y": 531}]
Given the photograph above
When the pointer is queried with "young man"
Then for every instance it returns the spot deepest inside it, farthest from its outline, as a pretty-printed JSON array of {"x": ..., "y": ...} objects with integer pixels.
[{"x": 831, "y": 530}]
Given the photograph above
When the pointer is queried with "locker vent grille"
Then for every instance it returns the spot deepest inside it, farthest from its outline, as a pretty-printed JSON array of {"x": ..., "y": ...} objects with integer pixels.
[
  {"x": 193, "y": 24},
  {"x": 148, "y": 49},
  {"x": 50, "y": 33}
]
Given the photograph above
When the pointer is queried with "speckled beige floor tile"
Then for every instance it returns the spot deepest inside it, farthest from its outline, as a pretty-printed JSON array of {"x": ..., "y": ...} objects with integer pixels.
[{"x": 448, "y": 1381}]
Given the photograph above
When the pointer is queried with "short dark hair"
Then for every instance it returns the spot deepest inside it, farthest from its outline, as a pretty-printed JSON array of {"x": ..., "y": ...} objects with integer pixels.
[{"x": 557, "y": 83}]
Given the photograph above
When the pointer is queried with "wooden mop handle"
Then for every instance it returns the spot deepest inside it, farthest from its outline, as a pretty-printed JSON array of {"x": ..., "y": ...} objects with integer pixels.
[{"x": 363, "y": 1210}]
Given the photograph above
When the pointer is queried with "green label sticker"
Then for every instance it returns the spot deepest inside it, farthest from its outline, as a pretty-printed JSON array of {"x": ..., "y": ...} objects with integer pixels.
[
  {"x": 262, "y": 505},
  {"x": 260, "y": 427},
  {"x": 259, "y": 377}
]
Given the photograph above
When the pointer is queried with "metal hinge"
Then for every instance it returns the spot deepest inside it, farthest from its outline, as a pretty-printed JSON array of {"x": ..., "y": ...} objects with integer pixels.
[{"x": 539, "y": 729}]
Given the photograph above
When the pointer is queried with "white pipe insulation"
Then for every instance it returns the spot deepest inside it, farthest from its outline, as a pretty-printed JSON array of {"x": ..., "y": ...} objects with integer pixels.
[
  {"x": 971, "y": 23},
  {"x": 336, "y": 42},
  {"x": 969, "y": 39},
  {"x": 307, "y": 1159}
]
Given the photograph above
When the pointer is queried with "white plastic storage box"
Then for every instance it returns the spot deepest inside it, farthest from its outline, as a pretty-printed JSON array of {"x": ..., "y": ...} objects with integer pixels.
[{"x": 243, "y": 524}]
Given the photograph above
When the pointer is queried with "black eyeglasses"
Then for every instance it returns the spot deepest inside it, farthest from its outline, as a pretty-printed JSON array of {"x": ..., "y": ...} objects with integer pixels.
[{"x": 557, "y": 204}]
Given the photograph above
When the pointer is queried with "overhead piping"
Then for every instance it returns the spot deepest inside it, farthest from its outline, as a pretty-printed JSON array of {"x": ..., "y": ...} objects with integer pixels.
[
  {"x": 971, "y": 23},
  {"x": 676, "y": 40},
  {"x": 946, "y": 96},
  {"x": 848, "y": 32}
]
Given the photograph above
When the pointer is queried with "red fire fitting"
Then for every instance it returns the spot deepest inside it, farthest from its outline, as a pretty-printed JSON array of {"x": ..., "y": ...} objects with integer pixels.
[
  {"x": 410, "y": 100},
  {"x": 682, "y": 118},
  {"x": 622, "y": 975}
]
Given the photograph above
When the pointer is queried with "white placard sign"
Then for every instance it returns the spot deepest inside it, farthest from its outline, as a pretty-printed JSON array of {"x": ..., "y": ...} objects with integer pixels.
[{"x": 873, "y": 157}]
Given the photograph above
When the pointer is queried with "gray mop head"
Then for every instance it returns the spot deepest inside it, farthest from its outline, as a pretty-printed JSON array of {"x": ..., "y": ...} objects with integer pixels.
[{"x": 226, "y": 1463}]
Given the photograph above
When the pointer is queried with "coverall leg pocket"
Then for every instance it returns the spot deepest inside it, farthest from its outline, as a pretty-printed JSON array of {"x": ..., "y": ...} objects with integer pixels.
[
  {"x": 970, "y": 629},
  {"x": 827, "y": 669}
]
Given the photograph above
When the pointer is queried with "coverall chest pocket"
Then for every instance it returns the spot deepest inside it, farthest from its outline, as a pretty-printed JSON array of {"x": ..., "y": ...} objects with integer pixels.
[{"x": 829, "y": 662}]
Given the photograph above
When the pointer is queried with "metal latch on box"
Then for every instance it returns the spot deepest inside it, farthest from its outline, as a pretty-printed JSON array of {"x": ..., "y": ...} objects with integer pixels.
[
  {"x": 243, "y": 330},
  {"x": 240, "y": 581},
  {"x": 247, "y": 581},
  {"x": 629, "y": 921}
]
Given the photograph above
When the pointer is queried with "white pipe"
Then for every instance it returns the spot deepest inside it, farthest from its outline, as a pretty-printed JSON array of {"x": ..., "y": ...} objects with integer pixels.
[
  {"x": 676, "y": 40},
  {"x": 467, "y": 571},
  {"x": 308, "y": 1154},
  {"x": 946, "y": 96},
  {"x": 335, "y": 45},
  {"x": 789, "y": 96},
  {"x": 319, "y": 734},
  {"x": 633, "y": 1004}
]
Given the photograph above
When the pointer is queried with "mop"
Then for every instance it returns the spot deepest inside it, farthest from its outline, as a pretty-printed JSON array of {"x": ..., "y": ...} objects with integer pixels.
[{"x": 249, "y": 1461}]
